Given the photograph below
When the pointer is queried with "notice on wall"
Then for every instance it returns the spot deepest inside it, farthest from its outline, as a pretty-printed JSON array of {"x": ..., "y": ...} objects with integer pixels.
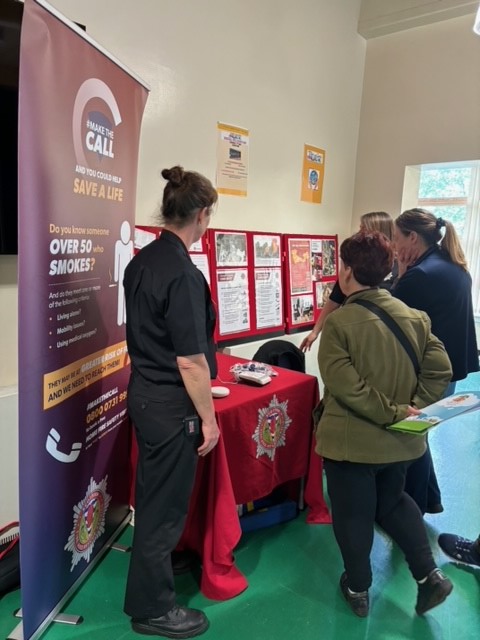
[
  {"x": 232, "y": 160},
  {"x": 312, "y": 174}
]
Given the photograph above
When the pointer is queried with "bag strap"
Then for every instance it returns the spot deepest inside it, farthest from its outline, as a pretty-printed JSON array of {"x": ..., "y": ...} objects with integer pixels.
[
  {"x": 394, "y": 327},
  {"x": 11, "y": 525},
  {"x": 9, "y": 547},
  {"x": 9, "y": 541}
]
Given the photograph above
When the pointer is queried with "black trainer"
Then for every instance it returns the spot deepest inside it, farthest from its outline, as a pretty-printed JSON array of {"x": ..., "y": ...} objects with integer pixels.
[
  {"x": 433, "y": 591},
  {"x": 460, "y": 549},
  {"x": 179, "y": 622},
  {"x": 359, "y": 602},
  {"x": 435, "y": 508}
]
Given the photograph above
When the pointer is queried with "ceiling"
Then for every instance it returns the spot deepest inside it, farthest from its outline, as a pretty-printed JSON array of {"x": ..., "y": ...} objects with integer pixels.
[{"x": 380, "y": 17}]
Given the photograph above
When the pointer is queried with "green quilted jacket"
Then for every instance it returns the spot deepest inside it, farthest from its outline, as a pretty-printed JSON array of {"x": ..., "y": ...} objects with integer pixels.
[{"x": 370, "y": 380}]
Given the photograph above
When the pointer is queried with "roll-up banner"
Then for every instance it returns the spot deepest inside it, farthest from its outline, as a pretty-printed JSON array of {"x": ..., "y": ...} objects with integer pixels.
[{"x": 80, "y": 113}]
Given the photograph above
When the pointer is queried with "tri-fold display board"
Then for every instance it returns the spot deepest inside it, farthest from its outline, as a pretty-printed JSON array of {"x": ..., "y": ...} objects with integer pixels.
[
  {"x": 310, "y": 268},
  {"x": 247, "y": 284},
  {"x": 262, "y": 283}
]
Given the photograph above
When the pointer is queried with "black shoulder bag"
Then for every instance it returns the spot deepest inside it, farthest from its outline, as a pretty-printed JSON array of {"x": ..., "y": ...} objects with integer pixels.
[
  {"x": 394, "y": 327},
  {"x": 9, "y": 558}
]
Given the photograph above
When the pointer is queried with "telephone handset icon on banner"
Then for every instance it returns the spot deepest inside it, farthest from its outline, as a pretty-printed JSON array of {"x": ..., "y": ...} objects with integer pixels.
[{"x": 51, "y": 445}]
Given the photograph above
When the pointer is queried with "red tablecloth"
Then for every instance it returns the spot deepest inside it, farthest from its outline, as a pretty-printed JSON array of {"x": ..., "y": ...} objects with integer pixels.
[{"x": 266, "y": 440}]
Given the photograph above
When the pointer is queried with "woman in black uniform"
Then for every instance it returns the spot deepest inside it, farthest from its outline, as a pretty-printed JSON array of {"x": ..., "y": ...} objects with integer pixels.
[{"x": 170, "y": 324}]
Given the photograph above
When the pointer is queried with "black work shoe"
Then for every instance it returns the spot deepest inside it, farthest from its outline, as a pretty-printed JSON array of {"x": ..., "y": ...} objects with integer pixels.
[
  {"x": 433, "y": 592},
  {"x": 460, "y": 549},
  {"x": 179, "y": 622},
  {"x": 358, "y": 602}
]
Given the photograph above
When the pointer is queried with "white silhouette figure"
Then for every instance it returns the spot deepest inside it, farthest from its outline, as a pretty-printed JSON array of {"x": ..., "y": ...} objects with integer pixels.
[{"x": 123, "y": 255}]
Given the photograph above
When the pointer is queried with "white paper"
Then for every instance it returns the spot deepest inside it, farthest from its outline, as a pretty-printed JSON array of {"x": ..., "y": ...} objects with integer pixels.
[
  {"x": 233, "y": 303},
  {"x": 268, "y": 297},
  {"x": 201, "y": 262},
  {"x": 142, "y": 238}
]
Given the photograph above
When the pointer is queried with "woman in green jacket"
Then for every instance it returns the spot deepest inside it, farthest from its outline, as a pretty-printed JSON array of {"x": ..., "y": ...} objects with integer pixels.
[{"x": 370, "y": 383}]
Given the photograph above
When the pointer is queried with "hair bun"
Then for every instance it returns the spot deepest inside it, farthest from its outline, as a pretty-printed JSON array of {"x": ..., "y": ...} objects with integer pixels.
[{"x": 174, "y": 175}]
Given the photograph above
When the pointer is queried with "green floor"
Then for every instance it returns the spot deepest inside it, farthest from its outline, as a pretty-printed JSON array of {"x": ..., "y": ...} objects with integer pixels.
[{"x": 293, "y": 572}]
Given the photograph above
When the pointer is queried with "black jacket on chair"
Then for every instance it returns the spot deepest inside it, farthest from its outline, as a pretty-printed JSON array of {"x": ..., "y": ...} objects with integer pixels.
[{"x": 281, "y": 353}]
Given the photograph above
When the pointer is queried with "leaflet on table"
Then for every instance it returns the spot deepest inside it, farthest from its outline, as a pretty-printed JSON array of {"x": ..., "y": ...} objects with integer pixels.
[{"x": 438, "y": 412}]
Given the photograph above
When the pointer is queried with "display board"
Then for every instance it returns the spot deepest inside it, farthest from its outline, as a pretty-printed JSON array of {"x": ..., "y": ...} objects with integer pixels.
[
  {"x": 246, "y": 284},
  {"x": 310, "y": 271},
  {"x": 198, "y": 251},
  {"x": 144, "y": 235},
  {"x": 262, "y": 283}
]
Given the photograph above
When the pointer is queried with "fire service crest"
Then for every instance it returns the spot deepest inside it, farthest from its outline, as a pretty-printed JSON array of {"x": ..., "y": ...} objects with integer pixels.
[{"x": 273, "y": 422}]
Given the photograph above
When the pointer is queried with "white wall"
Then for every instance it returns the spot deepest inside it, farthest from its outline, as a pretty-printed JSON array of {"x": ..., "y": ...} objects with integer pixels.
[
  {"x": 8, "y": 455},
  {"x": 8, "y": 321},
  {"x": 421, "y": 103},
  {"x": 291, "y": 73}
]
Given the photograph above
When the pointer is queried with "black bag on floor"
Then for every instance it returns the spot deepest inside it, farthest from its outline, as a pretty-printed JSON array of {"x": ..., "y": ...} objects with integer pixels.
[{"x": 9, "y": 558}]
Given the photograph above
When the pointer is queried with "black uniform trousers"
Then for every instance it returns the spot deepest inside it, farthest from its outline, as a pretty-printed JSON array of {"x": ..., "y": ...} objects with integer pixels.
[
  {"x": 167, "y": 459},
  {"x": 362, "y": 494}
]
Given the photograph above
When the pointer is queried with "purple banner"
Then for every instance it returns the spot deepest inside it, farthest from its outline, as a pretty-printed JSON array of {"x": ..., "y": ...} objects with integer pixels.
[{"x": 79, "y": 126}]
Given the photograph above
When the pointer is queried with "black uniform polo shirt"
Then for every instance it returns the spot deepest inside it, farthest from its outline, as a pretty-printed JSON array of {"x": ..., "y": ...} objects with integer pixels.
[{"x": 169, "y": 311}]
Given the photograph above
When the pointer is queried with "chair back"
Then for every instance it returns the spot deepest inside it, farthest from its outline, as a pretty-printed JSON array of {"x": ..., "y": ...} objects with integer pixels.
[{"x": 281, "y": 353}]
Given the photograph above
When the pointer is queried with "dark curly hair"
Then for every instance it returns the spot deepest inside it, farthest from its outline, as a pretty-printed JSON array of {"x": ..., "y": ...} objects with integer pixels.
[
  {"x": 370, "y": 256},
  {"x": 185, "y": 193}
]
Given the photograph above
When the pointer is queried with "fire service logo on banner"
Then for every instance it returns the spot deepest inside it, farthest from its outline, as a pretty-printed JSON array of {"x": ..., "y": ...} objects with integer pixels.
[
  {"x": 272, "y": 426},
  {"x": 88, "y": 521}
]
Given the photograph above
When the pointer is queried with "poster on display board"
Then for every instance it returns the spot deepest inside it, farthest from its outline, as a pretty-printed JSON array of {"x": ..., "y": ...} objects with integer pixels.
[
  {"x": 145, "y": 234},
  {"x": 311, "y": 264},
  {"x": 247, "y": 284},
  {"x": 80, "y": 113}
]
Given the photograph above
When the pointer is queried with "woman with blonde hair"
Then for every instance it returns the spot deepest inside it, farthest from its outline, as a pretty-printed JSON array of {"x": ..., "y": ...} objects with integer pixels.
[
  {"x": 433, "y": 277},
  {"x": 373, "y": 221}
]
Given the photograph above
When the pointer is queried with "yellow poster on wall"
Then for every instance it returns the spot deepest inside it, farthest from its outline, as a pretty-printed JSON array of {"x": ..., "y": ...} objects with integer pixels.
[
  {"x": 232, "y": 160},
  {"x": 312, "y": 174}
]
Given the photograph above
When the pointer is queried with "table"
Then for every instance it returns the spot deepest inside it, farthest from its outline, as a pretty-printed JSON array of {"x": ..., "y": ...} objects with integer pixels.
[{"x": 266, "y": 440}]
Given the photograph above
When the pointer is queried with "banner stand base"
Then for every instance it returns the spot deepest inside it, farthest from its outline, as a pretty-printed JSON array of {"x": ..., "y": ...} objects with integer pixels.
[
  {"x": 121, "y": 547},
  {"x": 17, "y": 633},
  {"x": 62, "y": 618}
]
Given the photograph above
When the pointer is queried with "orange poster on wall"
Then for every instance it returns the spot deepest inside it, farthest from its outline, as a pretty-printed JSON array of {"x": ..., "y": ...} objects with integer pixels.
[{"x": 312, "y": 174}]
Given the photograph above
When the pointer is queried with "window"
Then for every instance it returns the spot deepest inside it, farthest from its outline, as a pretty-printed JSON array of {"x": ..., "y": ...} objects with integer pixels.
[{"x": 451, "y": 191}]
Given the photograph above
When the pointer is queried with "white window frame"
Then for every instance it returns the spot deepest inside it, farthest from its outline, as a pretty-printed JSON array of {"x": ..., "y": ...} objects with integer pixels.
[{"x": 470, "y": 239}]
